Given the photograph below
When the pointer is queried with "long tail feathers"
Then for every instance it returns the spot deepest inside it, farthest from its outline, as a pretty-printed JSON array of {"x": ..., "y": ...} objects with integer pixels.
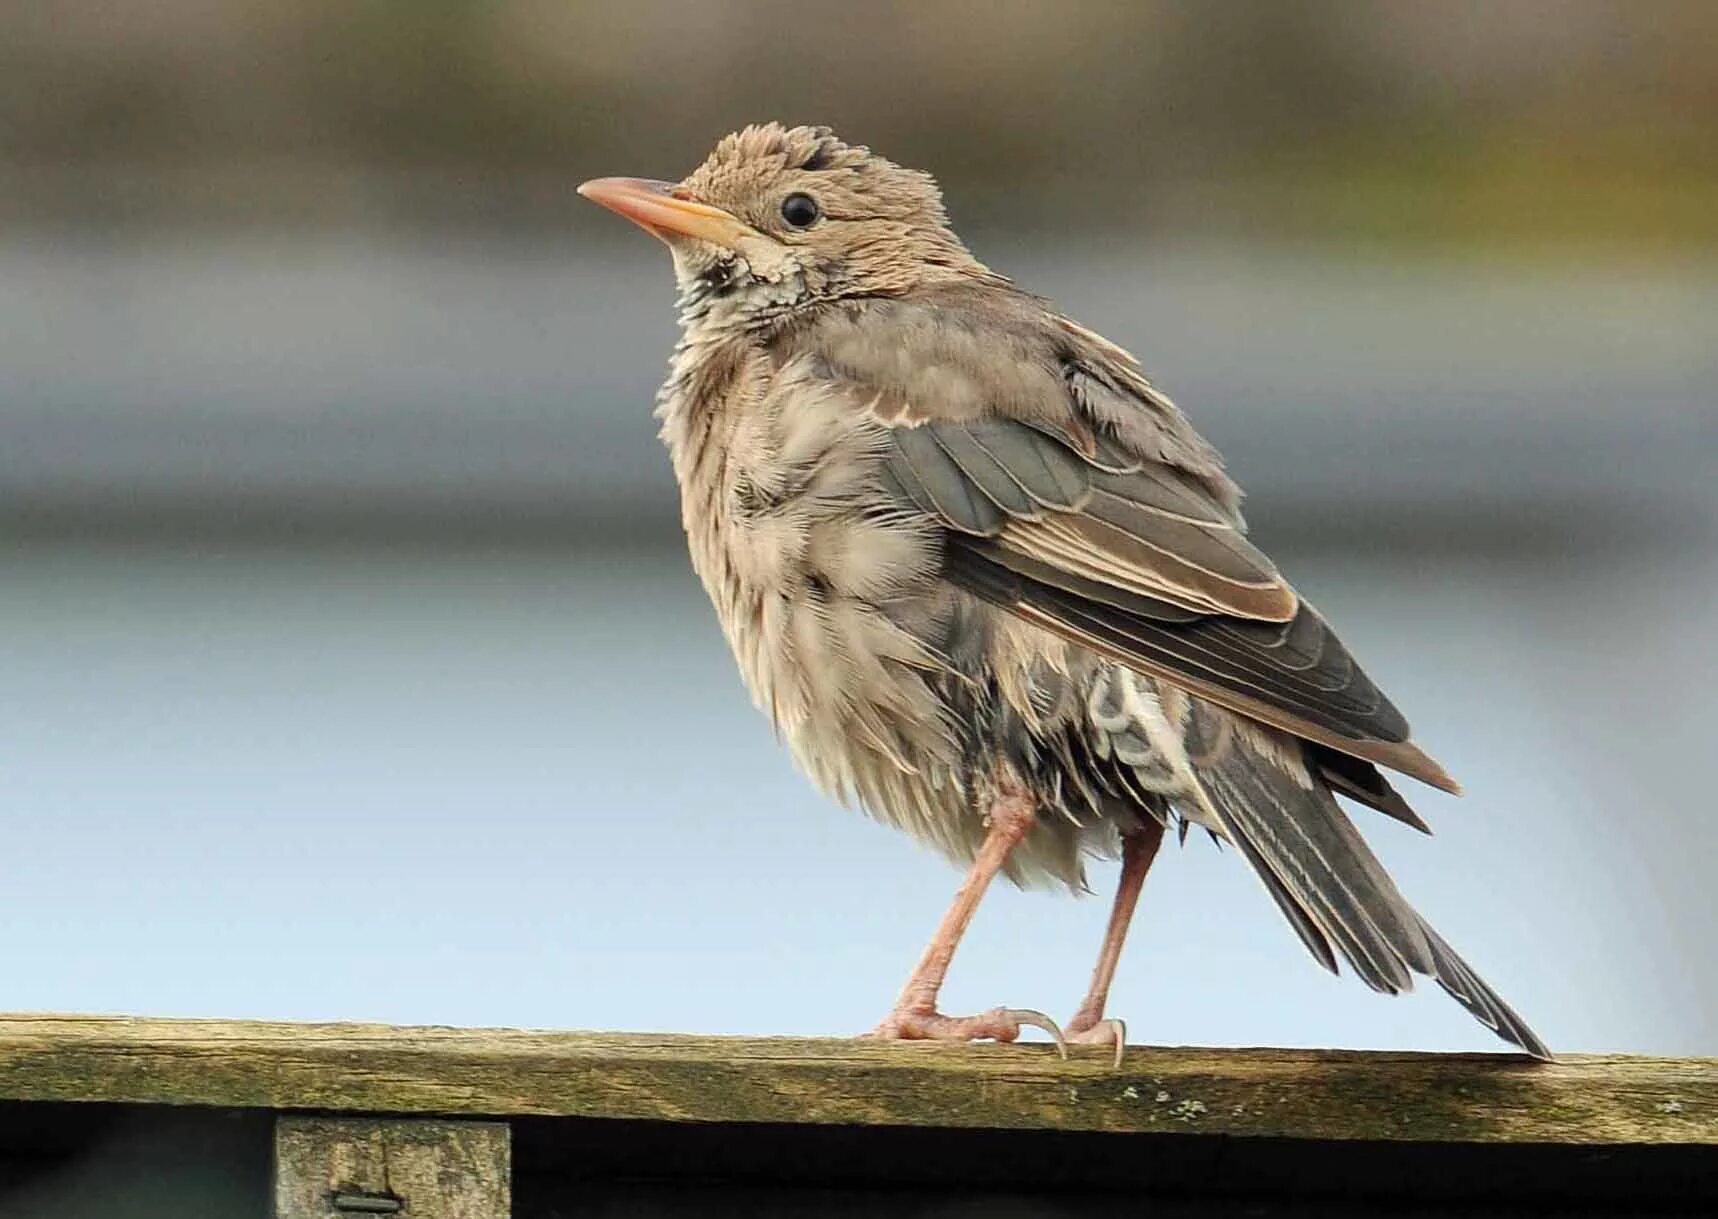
[
  {"x": 1467, "y": 988},
  {"x": 1334, "y": 891}
]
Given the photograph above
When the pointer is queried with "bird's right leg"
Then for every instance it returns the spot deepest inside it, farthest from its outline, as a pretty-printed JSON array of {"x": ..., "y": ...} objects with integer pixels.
[
  {"x": 1089, "y": 1025},
  {"x": 915, "y": 1016}
]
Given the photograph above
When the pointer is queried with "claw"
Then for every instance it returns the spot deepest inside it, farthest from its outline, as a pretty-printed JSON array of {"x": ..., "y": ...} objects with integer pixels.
[
  {"x": 1104, "y": 1032},
  {"x": 1038, "y": 1020}
]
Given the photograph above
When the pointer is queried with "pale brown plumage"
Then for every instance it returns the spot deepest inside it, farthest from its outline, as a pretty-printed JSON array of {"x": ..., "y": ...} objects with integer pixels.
[{"x": 989, "y": 583}]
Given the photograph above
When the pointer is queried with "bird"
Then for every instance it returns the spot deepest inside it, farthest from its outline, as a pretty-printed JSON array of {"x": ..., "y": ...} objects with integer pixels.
[{"x": 992, "y": 587}]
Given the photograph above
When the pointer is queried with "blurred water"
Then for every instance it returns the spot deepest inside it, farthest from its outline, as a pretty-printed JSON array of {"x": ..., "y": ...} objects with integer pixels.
[{"x": 353, "y": 670}]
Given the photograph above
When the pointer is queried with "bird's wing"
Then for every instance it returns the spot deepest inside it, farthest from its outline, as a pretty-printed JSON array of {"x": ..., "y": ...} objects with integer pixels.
[{"x": 1077, "y": 498}]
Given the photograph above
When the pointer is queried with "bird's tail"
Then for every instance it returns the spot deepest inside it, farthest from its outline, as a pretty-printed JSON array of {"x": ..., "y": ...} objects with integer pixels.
[{"x": 1334, "y": 891}]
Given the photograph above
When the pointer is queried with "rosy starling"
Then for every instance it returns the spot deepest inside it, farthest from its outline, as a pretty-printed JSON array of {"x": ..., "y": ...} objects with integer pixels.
[{"x": 990, "y": 584}]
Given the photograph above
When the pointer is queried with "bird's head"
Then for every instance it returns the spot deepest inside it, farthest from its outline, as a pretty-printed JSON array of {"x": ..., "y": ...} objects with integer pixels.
[{"x": 781, "y": 217}]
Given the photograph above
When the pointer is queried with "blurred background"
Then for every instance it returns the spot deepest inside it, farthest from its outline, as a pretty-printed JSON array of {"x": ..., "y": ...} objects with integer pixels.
[{"x": 352, "y": 665}]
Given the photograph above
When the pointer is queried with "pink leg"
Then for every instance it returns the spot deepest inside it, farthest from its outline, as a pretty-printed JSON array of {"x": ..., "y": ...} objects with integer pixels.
[
  {"x": 915, "y": 1016},
  {"x": 1088, "y": 1027}
]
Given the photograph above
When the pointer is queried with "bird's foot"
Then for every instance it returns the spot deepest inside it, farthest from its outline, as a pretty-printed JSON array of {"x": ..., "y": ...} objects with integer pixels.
[
  {"x": 998, "y": 1024},
  {"x": 1087, "y": 1029}
]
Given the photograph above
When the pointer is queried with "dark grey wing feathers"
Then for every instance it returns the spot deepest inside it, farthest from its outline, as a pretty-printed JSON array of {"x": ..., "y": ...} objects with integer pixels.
[
  {"x": 1361, "y": 781},
  {"x": 1206, "y": 544},
  {"x": 1164, "y": 637},
  {"x": 999, "y": 484},
  {"x": 1158, "y": 488},
  {"x": 930, "y": 475},
  {"x": 1045, "y": 467}
]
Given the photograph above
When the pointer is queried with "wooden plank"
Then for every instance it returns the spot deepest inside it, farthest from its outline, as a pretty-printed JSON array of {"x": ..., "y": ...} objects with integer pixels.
[
  {"x": 358, "y": 1168},
  {"x": 1478, "y": 1098}
]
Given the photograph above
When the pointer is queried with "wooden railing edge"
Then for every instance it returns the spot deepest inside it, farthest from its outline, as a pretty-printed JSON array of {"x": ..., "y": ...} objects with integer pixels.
[{"x": 1298, "y": 1094}]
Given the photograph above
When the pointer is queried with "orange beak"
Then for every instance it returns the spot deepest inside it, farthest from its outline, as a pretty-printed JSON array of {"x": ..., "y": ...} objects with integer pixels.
[{"x": 666, "y": 211}]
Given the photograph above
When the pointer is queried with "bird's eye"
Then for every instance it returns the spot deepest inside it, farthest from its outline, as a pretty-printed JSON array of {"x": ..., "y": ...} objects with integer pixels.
[{"x": 801, "y": 211}]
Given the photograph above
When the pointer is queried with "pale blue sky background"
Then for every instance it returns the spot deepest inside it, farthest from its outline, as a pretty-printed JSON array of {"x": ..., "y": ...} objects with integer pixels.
[{"x": 326, "y": 699}]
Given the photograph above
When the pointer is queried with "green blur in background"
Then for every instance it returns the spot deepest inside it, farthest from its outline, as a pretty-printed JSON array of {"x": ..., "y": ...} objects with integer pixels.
[{"x": 1514, "y": 124}]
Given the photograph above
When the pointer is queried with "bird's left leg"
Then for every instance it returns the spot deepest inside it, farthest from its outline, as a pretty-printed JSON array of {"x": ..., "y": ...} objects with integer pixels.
[
  {"x": 1089, "y": 1027},
  {"x": 915, "y": 1016}
]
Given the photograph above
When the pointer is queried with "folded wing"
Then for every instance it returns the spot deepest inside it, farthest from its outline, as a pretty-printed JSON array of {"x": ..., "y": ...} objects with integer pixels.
[
  {"x": 1077, "y": 497},
  {"x": 1131, "y": 558}
]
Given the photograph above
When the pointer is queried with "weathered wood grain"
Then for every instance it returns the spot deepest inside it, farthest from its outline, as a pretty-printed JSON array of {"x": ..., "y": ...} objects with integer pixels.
[
  {"x": 348, "y": 1168},
  {"x": 506, "y": 1072}
]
